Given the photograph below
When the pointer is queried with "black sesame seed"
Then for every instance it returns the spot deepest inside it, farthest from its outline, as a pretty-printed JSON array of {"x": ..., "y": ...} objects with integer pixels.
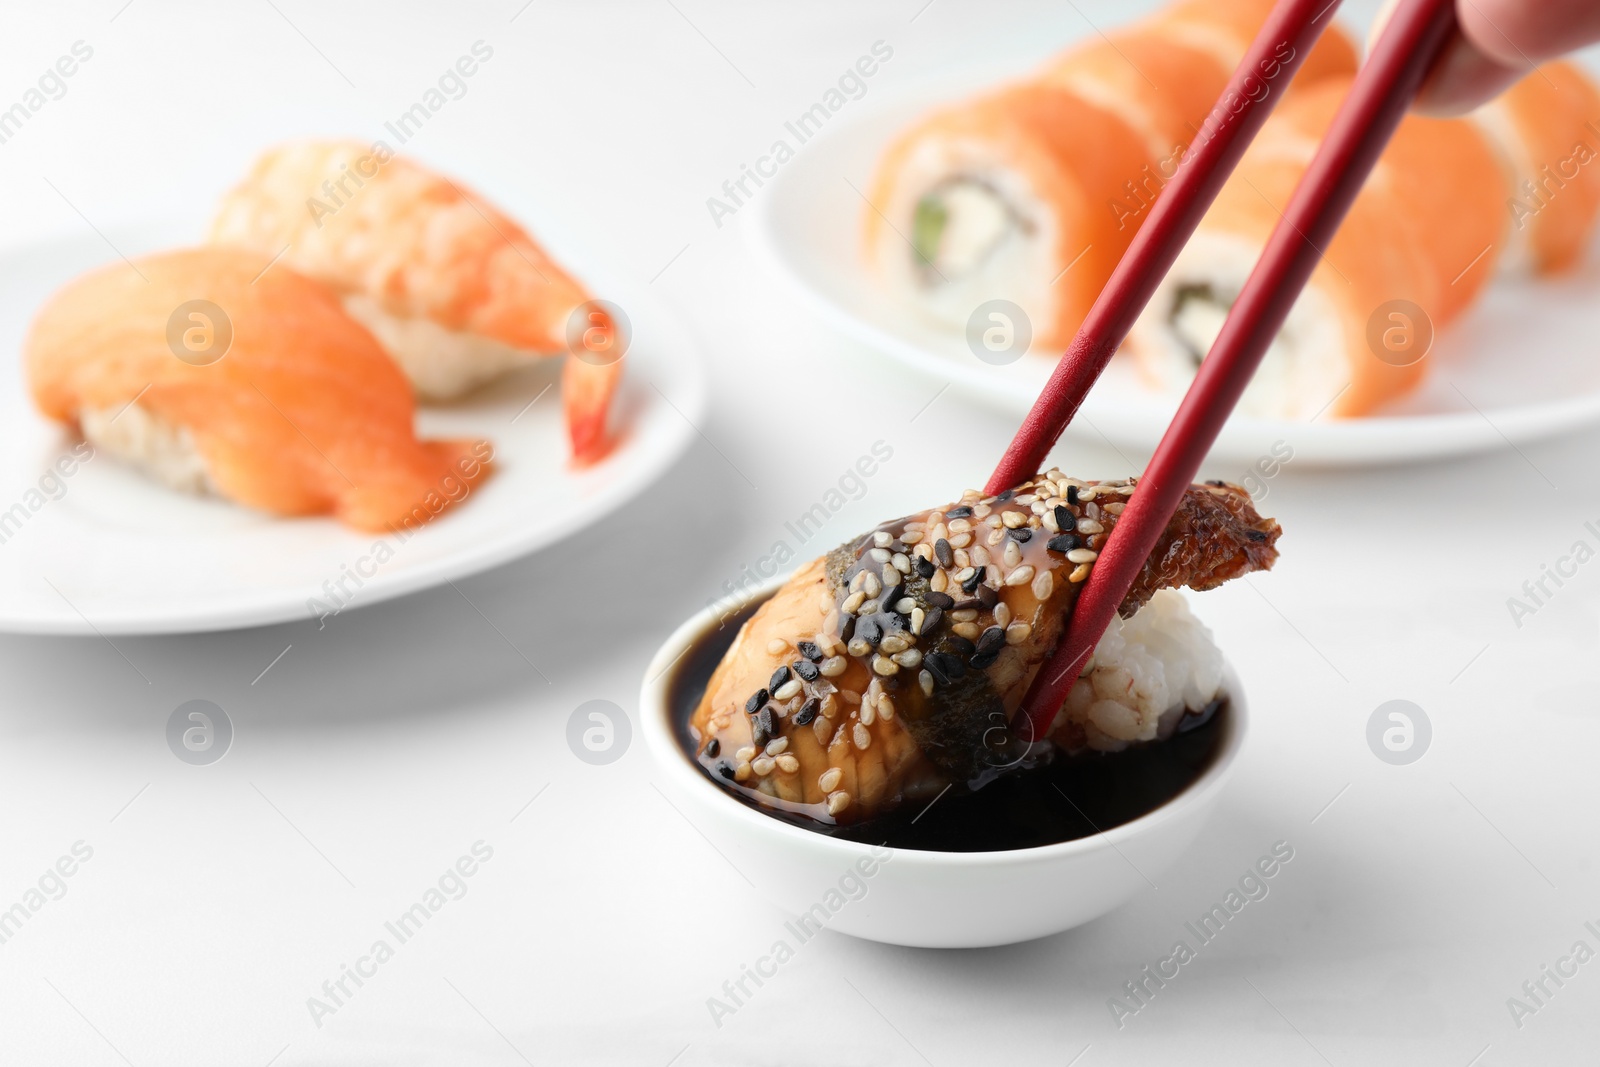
[
  {"x": 807, "y": 712},
  {"x": 754, "y": 704},
  {"x": 1022, "y": 535},
  {"x": 930, "y": 618},
  {"x": 1255, "y": 535},
  {"x": 925, "y": 567},
  {"x": 807, "y": 670},
  {"x": 1066, "y": 519},
  {"x": 972, "y": 583},
  {"x": 991, "y": 640},
  {"x": 779, "y": 677},
  {"x": 846, "y": 624},
  {"x": 810, "y": 651},
  {"x": 940, "y": 600},
  {"x": 970, "y": 604},
  {"x": 1064, "y": 543},
  {"x": 713, "y": 747},
  {"x": 941, "y": 549},
  {"x": 959, "y": 645},
  {"x": 869, "y": 631},
  {"x": 963, "y": 512},
  {"x": 1217, "y": 483},
  {"x": 1072, "y": 494},
  {"x": 1006, "y": 496},
  {"x": 988, "y": 597},
  {"x": 943, "y": 667},
  {"x": 983, "y": 660},
  {"x": 726, "y": 770},
  {"x": 767, "y": 723}
]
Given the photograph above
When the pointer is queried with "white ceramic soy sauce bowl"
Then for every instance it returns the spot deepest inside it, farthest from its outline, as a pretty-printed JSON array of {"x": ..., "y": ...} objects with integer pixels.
[{"x": 919, "y": 898}]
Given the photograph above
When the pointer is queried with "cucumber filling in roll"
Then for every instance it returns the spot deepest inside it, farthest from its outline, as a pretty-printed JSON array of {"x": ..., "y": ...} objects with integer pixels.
[{"x": 958, "y": 228}]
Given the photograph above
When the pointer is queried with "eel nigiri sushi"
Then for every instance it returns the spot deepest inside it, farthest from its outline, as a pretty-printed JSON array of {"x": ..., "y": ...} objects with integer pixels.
[
  {"x": 891, "y": 667},
  {"x": 1416, "y": 248},
  {"x": 1031, "y": 194},
  {"x": 292, "y": 406},
  {"x": 456, "y": 291}
]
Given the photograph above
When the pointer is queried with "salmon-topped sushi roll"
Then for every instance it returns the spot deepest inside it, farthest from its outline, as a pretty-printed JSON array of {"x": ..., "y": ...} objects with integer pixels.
[
  {"x": 213, "y": 377},
  {"x": 891, "y": 668},
  {"x": 457, "y": 292}
]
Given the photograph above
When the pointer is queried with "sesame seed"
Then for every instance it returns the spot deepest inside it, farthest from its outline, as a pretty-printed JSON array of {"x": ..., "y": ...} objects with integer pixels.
[
  {"x": 713, "y": 747},
  {"x": 1018, "y": 632},
  {"x": 969, "y": 630},
  {"x": 925, "y": 680},
  {"x": 787, "y": 763},
  {"x": 726, "y": 770},
  {"x": 925, "y": 567},
  {"x": 777, "y": 647},
  {"x": 905, "y": 605},
  {"x": 1044, "y": 584},
  {"x": 902, "y": 562},
  {"x": 911, "y": 657},
  {"x": 762, "y": 766},
  {"x": 829, "y": 779},
  {"x": 809, "y": 651},
  {"x": 939, "y": 582},
  {"x": 891, "y": 577},
  {"x": 808, "y": 711},
  {"x": 1083, "y": 555},
  {"x": 991, "y": 639},
  {"x": 1089, "y": 527},
  {"x": 961, "y": 540},
  {"x": 1022, "y": 575},
  {"x": 1002, "y": 614},
  {"x": 745, "y": 754},
  {"x": 1012, "y": 555},
  {"x": 869, "y": 713},
  {"x": 777, "y": 745},
  {"x": 754, "y": 704},
  {"x": 931, "y": 618},
  {"x": 962, "y": 512},
  {"x": 983, "y": 660},
  {"x": 960, "y": 526},
  {"x": 881, "y": 538},
  {"x": 1072, "y": 494},
  {"x": 858, "y": 647},
  {"x": 837, "y": 802},
  {"x": 895, "y": 642},
  {"x": 964, "y": 614},
  {"x": 1079, "y": 574},
  {"x": 972, "y": 582},
  {"x": 884, "y": 666},
  {"x": 833, "y": 666},
  {"x": 1022, "y": 535},
  {"x": 1013, "y": 519},
  {"x": 979, "y": 556},
  {"x": 806, "y": 670},
  {"x": 788, "y": 690},
  {"x": 1114, "y": 508},
  {"x": 912, "y": 537},
  {"x": 940, "y": 600},
  {"x": 987, "y": 596},
  {"x": 779, "y": 676},
  {"x": 869, "y": 607},
  {"x": 741, "y": 773},
  {"x": 918, "y": 616},
  {"x": 852, "y": 603},
  {"x": 1064, "y": 542},
  {"x": 861, "y": 736},
  {"x": 886, "y": 707}
]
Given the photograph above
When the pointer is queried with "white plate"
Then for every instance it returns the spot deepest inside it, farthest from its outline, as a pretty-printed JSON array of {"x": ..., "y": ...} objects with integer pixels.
[
  {"x": 1518, "y": 368},
  {"x": 114, "y": 553}
]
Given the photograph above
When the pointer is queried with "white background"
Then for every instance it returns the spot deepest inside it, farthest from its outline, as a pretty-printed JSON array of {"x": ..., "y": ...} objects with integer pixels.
[{"x": 377, "y": 750}]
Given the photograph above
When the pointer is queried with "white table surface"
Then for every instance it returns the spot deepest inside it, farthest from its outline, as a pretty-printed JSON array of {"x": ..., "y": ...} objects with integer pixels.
[{"x": 379, "y": 749}]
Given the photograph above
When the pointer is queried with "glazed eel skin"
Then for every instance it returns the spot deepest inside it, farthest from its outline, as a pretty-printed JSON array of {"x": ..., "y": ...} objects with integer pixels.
[{"x": 889, "y": 668}]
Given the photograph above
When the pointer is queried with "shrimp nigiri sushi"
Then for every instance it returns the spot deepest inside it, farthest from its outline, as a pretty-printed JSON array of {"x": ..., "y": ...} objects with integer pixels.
[
  {"x": 258, "y": 389},
  {"x": 890, "y": 668},
  {"x": 456, "y": 291}
]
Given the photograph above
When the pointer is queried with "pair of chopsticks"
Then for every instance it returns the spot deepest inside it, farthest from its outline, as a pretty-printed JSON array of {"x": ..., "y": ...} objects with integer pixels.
[{"x": 1384, "y": 89}]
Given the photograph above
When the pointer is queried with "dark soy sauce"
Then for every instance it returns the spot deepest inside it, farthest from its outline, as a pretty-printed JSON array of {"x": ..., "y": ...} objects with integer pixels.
[{"x": 1069, "y": 798}]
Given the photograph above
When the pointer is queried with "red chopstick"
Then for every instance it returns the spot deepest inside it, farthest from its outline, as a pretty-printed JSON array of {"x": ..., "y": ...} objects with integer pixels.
[
  {"x": 1254, "y": 90},
  {"x": 1385, "y": 88}
]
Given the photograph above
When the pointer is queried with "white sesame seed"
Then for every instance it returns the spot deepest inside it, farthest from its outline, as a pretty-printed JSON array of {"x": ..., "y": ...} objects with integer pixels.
[
  {"x": 1044, "y": 584},
  {"x": 963, "y": 558},
  {"x": 911, "y": 657},
  {"x": 829, "y": 779},
  {"x": 852, "y": 603},
  {"x": 1002, "y": 614},
  {"x": 1021, "y": 576},
  {"x": 881, "y": 555},
  {"x": 1089, "y": 526},
  {"x": 869, "y": 607},
  {"x": 1012, "y": 555},
  {"x": 1114, "y": 508},
  {"x": 960, "y": 526},
  {"x": 902, "y": 562},
  {"x": 1079, "y": 573},
  {"x": 918, "y": 617},
  {"x": 1013, "y": 519},
  {"x": 892, "y": 576},
  {"x": 960, "y": 540},
  {"x": 861, "y": 736},
  {"x": 996, "y": 535},
  {"x": 969, "y": 630},
  {"x": 939, "y": 582},
  {"x": 837, "y": 802},
  {"x": 905, "y": 605},
  {"x": 1083, "y": 555},
  {"x": 925, "y": 680},
  {"x": 884, "y": 666},
  {"x": 981, "y": 511},
  {"x": 1017, "y": 633},
  {"x": 833, "y": 666},
  {"x": 825, "y": 601},
  {"x": 858, "y": 646},
  {"x": 886, "y": 707},
  {"x": 893, "y": 643},
  {"x": 978, "y": 556},
  {"x": 788, "y": 690},
  {"x": 745, "y": 754},
  {"x": 777, "y": 745},
  {"x": 964, "y": 614},
  {"x": 830, "y": 706},
  {"x": 777, "y": 647},
  {"x": 996, "y": 521},
  {"x": 1026, "y": 498},
  {"x": 869, "y": 712},
  {"x": 881, "y": 538},
  {"x": 741, "y": 772},
  {"x": 964, "y": 573},
  {"x": 911, "y": 537},
  {"x": 762, "y": 766},
  {"x": 787, "y": 763}
]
